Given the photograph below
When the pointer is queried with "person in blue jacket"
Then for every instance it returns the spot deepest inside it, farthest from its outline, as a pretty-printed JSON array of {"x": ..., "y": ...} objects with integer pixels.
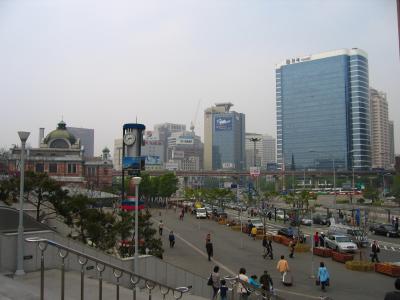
[{"x": 323, "y": 275}]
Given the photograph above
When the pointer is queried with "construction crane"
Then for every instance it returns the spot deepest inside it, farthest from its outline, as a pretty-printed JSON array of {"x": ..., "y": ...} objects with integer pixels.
[{"x": 193, "y": 122}]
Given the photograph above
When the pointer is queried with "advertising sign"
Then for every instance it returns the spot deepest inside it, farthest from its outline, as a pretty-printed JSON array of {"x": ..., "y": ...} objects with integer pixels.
[
  {"x": 133, "y": 163},
  {"x": 255, "y": 171},
  {"x": 228, "y": 165},
  {"x": 184, "y": 141},
  {"x": 178, "y": 154},
  {"x": 171, "y": 166},
  {"x": 223, "y": 123},
  {"x": 153, "y": 160}
]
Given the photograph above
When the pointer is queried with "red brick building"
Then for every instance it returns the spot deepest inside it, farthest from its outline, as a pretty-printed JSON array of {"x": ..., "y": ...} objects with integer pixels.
[{"x": 62, "y": 157}]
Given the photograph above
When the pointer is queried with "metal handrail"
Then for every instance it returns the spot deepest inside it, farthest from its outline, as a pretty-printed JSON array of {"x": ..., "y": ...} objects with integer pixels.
[
  {"x": 258, "y": 292},
  {"x": 101, "y": 265}
]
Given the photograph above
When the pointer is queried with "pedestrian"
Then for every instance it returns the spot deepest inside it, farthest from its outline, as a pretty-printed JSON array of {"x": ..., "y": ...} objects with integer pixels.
[
  {"x": 254, "y": 232},
  {"x": 394, "y": 295},
  {"x": 215, "y": 277},
  {"x": 208, "y": 237},
  {"x": 282, "y": 266},
  {"x": 375, "y": 249},
  {"x": 323, "y": 276},
  {"x": 171, "y": 239},
  {"x": 253, "y": 281},
  {"x": 160, "y": 227},
  {"x": 249, "y": 227},
  {"x": 322, "y": 239},
  {"x": 223, "y": 290},
  {"x": 292, "y": 245},
  {"x": 241, "y": 289},
  {"x": 316, "y": 239},
  {"x": 396, "y": 224},
  {"x": 209, "y": 248},
  {"x": 267, "y": 285},
  {"x": 265, "y": 246},
  {"x": 270, "y": 249}
]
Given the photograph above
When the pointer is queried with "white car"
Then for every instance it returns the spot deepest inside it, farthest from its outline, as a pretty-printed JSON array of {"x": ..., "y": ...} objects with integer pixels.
[
  {"x": 306, "y": 221},
  {"x": 257, "y": 223},
  {"x": 280, "y": 215},
  {"x": 341, "y": 243},
  {"x": 201, "y": 213}
]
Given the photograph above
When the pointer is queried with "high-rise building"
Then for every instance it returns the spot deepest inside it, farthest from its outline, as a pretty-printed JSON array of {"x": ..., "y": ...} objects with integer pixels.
[
  {"x": 322, "y": 103},
  {"x": 380, "y": 142},
  {"x": 391, "y": 145},
  {"x": 269, "y": 150},
  {"x": 186, "y": 149},
  {"x": 163, "y": 132},
  {"x": 224, "y": 138},
  {"x": 86, "y": 136}
]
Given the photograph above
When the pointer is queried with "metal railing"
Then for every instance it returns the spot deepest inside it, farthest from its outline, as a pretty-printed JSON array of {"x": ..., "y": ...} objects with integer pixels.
[{"x": 100, "y": 266}]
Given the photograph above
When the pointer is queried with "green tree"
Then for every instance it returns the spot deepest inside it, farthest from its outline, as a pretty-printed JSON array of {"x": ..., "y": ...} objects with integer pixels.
[{"x": 371, "y": 192}]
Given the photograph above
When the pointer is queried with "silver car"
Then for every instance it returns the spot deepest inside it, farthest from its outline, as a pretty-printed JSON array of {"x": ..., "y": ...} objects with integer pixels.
[{"x": 340, "y": 243}]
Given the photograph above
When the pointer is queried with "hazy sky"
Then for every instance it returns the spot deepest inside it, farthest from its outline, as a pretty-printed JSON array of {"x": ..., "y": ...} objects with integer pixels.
[{"x": 100, "y": 63}]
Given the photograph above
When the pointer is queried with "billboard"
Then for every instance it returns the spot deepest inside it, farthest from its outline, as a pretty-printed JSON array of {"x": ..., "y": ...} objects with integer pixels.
[
  {"x": 223, "y": 123},
  {"x": 171, "y": 166},
  {"x": 184, "y": 141},
  {"x": 176, "y": 154},
  {"x": 153, "y": 160}
]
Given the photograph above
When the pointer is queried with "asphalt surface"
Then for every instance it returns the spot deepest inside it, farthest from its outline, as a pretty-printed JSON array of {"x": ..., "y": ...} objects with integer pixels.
[{"x": 233, "y": 250}]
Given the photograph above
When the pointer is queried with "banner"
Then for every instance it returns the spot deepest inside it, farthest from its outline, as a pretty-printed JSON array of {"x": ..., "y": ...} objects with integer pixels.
[{"x": 223, "y": 123}]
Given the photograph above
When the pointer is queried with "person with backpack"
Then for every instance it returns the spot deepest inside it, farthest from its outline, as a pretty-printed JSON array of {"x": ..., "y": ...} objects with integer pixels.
[
  {"x": 323, "y": 276},
  {"x": 267, "y": 285}
]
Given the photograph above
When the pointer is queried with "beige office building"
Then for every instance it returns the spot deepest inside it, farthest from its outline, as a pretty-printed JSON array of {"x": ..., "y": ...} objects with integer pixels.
[{"x": 380, "y": 141}]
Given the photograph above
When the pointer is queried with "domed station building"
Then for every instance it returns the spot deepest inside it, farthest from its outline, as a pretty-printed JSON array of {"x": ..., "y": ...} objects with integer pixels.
[{"x": 61, "y": 155}]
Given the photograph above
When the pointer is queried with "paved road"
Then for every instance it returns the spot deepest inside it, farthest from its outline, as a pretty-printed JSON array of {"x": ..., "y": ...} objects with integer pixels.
[{"x": 233, "y": 250}]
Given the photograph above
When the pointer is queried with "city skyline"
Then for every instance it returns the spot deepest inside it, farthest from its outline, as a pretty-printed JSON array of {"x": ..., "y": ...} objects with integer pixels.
[{"x": 107, "y": 69}]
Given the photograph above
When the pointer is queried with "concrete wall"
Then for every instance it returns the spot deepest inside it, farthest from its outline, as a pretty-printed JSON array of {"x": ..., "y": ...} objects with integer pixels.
[{"x": 149, "y": 266}]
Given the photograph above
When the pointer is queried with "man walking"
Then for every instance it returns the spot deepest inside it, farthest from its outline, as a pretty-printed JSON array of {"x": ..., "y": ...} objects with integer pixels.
[
  {"x": 160, "y": 227},
  {"x": 209, "y": 248},
  {"x": 292, "y": 245},
  {"x": 316, "y": 239},
  {"x": 171, "y": 239},
  {"x": 282, "y": 266},
  {"x": 375, "y": 250}
]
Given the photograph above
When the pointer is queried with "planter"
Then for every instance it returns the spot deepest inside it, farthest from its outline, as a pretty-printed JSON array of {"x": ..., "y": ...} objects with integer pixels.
[
  {"x": 301, "y": 248},
  {"x": 323, "y": 252},
  {"x": 277, "y": 238},
  {"x": 388, "y": 269},
  {"x": 359, "y": 265},
  {"x": 342, "y": 257},
  {"x": 235, "y": 227},
  {"x": 285, "y": 240}
]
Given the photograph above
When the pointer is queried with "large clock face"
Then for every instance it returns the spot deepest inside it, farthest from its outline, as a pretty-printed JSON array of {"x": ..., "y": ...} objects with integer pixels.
[{"x": 129, "y": 139}]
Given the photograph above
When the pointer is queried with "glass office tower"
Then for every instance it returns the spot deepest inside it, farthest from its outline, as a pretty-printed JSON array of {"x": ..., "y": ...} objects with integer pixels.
[{"x": 322, "y": 104}]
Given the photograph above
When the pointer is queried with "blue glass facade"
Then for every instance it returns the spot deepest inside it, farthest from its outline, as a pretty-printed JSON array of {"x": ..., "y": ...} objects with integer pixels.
[
  {"x": 322, "y": 113},
  {"x": 228, "y": 140}
]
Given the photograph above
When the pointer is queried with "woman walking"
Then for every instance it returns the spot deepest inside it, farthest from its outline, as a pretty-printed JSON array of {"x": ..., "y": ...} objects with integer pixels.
[{"x": 215, "y": 277}]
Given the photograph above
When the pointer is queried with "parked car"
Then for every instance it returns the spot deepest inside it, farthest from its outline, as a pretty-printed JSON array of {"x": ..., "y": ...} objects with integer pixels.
[
  {"x": 219, "y": 213},
  {"x": 384, "y": 229},
  {"x": 356, "y": 235},
  {"x": 292, "y": 233},
  {"x": 201, "y": 213},
  {"x": 280, "y": 215},
  {"x": 341, "y": 243},
  {"x": 257, "y": 223},
  {"x": 306, "y": 221},
  {"x": 321, "y": 219}
]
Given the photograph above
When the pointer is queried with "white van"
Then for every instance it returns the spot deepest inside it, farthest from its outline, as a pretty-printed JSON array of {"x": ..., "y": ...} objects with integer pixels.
[{"x": 356, "y": 235}]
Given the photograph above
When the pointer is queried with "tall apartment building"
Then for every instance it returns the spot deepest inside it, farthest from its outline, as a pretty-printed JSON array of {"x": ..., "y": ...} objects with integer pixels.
[
  {"x": 391, "y": 145},
  {"x": 86, "y": 135},
  {"x": 269, "y": 150},
  {"x": 380, "y": 142},
  {"x": 322, "y": 104},
  {"x": 224, "y": 138}
]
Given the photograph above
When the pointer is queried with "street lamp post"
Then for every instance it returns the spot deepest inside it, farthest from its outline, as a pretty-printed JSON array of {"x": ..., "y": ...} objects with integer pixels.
[
  {"x": 136, "y": 182},
  {"x": 23, "y": 135},
  {"x": 334, "y": 184}
]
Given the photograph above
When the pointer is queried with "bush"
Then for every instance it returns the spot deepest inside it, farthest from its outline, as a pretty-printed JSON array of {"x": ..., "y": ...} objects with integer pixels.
[
  {"x": 361, "y": 200},
  {"x": 357, "y": 265}
]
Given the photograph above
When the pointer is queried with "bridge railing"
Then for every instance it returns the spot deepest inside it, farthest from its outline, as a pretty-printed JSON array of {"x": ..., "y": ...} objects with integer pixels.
[{"x": 135, "y": 281}]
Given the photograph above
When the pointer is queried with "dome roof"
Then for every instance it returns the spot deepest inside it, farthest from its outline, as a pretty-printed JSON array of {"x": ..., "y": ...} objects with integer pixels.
[{"x": 61, "y": 133}]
